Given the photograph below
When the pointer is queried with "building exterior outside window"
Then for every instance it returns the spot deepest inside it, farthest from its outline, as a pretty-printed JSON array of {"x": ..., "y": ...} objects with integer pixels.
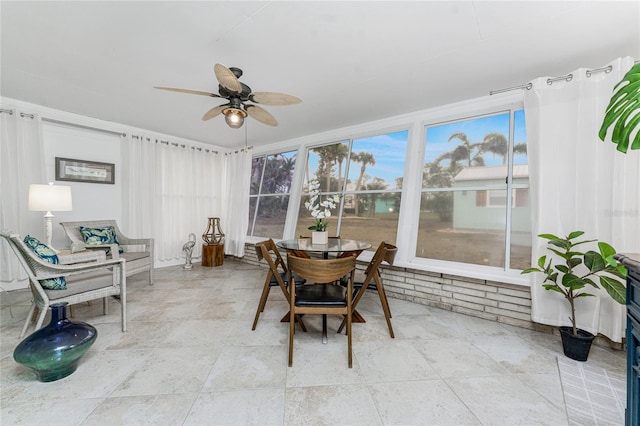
[
  {"x": 474, "y": 200},
  {"x": 367, "y": 173}
]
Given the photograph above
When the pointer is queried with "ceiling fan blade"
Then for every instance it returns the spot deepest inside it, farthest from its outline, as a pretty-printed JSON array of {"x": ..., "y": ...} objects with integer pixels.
[
  {"x": 213, "y": 112},
  {"x": 227, "y": 78},
  {"x": 192, "y": 92},
  {"x": 261, "y": 114},
  {"x": 274, "y": 98}
]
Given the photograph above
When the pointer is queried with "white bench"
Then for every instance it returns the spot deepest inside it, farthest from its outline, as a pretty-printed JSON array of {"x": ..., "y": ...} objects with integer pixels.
[{"x": 138, "y": 252}]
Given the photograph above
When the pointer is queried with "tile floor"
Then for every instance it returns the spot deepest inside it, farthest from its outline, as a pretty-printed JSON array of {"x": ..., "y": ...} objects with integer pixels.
[{"x": 189, "y": 357}]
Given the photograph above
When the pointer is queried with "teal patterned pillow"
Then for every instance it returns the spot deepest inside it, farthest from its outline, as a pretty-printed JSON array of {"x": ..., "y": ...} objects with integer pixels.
[
  {"x": 44, "y": 252},
  {"x": 106, "y": 235}
]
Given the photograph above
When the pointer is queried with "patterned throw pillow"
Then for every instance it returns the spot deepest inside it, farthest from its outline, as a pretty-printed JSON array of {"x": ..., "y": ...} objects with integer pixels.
[
  {"x": 106, "y": 235},
  {"x": 44, "y": 252}
]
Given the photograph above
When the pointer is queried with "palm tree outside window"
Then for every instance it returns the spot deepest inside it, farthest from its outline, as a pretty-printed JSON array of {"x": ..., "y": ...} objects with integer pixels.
[{"x": 474, "y": 201}]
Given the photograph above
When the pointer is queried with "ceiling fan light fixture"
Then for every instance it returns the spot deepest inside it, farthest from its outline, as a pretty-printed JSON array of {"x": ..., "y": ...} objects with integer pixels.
[{"x": 234, "y": 117}]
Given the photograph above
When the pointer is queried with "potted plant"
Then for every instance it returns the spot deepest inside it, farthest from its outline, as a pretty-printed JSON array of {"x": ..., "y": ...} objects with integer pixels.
[
  {"x": 320, "y": 211},
  {"x": 572, "y": 274}
]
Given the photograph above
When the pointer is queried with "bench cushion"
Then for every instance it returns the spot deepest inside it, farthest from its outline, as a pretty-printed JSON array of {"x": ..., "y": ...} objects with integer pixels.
[{"x": 106, "y": 235}]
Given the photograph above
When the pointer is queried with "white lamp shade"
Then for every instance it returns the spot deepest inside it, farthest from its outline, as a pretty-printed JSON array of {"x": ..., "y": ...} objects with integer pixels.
[{"x": 46, "y": 198}]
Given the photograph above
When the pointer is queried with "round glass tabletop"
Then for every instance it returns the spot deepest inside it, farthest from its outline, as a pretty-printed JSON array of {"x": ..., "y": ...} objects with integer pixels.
[{"x": 333, "y": 246}]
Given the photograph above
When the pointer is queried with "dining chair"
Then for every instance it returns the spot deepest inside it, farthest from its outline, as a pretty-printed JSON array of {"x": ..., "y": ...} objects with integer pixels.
[
  {"x": 278, "y": 275},
  {"x": 324, "y": 297},
  {"x": 385, "y": 253}
]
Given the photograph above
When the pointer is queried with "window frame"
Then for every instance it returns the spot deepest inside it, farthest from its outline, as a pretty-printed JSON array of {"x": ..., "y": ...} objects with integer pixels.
[
  {"x": 461, "y": 112},
  {"x": 343, "y": 191},
  {"x": 415, "y": 123},
  {"x": 259, "y": 194}
]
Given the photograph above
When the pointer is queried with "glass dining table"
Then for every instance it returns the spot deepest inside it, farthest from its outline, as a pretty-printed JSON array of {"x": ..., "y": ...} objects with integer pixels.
[{"x": 333, "y": 246}]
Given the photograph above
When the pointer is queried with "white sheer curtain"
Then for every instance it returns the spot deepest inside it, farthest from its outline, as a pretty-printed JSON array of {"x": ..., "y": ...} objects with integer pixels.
[
  {"x": 579, "y": 182},
  {"x": 21, "y": 164},
  {"x": 235, "y": 216},
  {"x": 172, "y": 189}
]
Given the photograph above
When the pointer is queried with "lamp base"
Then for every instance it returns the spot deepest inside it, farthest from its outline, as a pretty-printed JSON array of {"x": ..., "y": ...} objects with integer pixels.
[{"x": 48, "y": 230}]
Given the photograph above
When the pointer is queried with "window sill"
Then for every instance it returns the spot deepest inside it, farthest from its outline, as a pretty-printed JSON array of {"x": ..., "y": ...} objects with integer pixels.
[{"x": 468, "y": 271}]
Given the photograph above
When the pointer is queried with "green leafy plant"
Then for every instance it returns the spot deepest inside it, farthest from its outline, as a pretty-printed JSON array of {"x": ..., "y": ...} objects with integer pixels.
[
  {"x": 624, "y": 111},
  {"x": 578, "y": 269}
]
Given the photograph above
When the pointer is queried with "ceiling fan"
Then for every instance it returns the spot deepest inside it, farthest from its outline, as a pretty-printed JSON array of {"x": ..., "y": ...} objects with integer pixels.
[{"x": 241, "y": 99}]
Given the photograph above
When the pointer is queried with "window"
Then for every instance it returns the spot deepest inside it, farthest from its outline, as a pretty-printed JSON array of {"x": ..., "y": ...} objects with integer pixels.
[
  {"x": 474, "y": 204},
  {"x": 368, "y": 173},
  {"x": 497, "y": 198},
  {"x": 271, "y": 179}
]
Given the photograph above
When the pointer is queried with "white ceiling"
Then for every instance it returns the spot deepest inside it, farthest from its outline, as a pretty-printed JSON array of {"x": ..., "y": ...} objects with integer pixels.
[{"x": 351, "y": 61}]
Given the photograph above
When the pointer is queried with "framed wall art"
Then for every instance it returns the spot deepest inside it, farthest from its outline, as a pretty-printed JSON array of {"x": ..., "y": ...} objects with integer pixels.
[{"x": 73, "y": 170}]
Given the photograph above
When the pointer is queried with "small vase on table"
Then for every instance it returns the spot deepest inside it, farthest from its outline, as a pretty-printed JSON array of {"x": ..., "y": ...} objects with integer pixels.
[{"x": 319, "y": 237}]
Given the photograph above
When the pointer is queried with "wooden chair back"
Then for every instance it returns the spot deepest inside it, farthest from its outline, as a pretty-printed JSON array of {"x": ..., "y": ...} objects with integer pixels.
[
  {"x": 321, "y": 270},
  {"x": 385, "y": 253},
  {"x": 268, "y": 250},
  {"x": 331, "y": 299}
]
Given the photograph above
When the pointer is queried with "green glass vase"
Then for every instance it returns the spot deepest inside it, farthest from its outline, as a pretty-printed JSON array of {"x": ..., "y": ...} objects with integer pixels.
[{"x": 54, "y": 351}]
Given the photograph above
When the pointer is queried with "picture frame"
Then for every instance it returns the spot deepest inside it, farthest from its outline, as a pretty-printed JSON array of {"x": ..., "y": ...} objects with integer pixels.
[{"x": 74, "y": 170}]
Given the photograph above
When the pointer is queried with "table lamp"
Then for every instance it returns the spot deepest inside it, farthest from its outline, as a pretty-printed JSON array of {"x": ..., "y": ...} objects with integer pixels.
[{"x": 47, "y": 198}]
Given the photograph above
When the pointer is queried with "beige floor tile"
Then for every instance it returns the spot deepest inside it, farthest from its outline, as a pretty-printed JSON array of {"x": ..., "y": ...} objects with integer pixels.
[
  {"x": 330, "y": 405},
  {"x": 142, "y": 410},
  {"x": 248, "y": 367},
  {"x": 241, "y": 407},
  {"x": 316, "y": 364},
  {"x": 422, "y": 402},
  {"x": 379, "y": 361},
  {"x": 458, "y": 358},
  {"x": 516, "y": 354},
  {"x": 505, "y": 400},
  {"x": 48, "y": 412},
  {"x": 168, "y": 371}
]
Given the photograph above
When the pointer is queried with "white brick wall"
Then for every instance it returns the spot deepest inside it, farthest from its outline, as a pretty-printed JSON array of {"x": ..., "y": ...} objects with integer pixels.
[{"x": 501, "y": 302}]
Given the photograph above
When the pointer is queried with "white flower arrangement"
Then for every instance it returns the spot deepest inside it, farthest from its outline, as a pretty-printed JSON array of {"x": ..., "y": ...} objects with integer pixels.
[{"x": 320, "y": 210}]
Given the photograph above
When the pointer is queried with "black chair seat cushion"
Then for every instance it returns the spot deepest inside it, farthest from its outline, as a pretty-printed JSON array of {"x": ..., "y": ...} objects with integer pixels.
[
  {"x": 285, "y": 277},
  {"x": 321, "y": 295},
  {"x": 358, "y": 281}
]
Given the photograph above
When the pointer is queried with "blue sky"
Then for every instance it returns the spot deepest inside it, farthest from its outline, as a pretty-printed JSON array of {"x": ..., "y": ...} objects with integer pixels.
[
  {"x": 438, "y": 135},
  {"x": 389, "y": 150},
  {"x": 389, "y": 153}
]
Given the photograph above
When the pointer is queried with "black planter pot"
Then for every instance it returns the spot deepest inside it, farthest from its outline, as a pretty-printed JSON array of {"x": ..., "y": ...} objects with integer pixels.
[{"x": 576, "y": 346}]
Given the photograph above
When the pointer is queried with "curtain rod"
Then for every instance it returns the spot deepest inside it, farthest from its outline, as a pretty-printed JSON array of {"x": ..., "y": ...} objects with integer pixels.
[
  {"x": 174, "y": 144},
  {"x": 82, "y": 126},
  {"x": 245, "y": 150},
  {"x": 550, "y": 81},
  {"x": 10, "y": 112}
]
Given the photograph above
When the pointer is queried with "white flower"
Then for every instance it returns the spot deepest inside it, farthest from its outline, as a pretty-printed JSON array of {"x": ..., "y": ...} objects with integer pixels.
[{"x": 320, "y": 210}]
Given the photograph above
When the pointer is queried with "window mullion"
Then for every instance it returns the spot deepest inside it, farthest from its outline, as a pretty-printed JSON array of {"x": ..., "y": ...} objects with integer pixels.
[{"x": 509, "y": 206}]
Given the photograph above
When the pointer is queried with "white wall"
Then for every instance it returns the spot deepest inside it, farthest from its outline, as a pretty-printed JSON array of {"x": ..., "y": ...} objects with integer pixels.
[{"x": 91, "y": 201}]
